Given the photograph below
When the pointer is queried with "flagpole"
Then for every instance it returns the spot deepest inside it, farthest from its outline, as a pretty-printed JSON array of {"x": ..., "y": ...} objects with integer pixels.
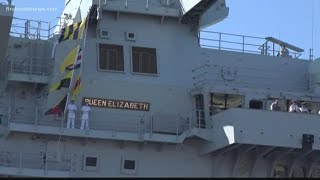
[{"x": 75, "y": 60}]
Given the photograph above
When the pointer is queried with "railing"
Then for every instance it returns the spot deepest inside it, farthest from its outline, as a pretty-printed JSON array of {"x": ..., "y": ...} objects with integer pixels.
[
  {"x": 153, "y": 124},
  {"x": 146, "y": 3},
  {"x": 35, "y": 161},
  {"x": 29, "y": 65},
  {"x": 240, "y": 43},
  {"x": 33, "y": 29}
]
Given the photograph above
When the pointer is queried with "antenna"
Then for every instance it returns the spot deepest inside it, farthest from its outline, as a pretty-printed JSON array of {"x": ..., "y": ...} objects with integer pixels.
[
  {"x": 9, "y": 2},
  {"x": 282, "y": 43},
  {"x": 312, "y": 30}
]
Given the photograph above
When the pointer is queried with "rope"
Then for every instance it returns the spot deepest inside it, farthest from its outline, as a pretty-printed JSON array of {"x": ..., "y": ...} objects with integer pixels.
[{"x": 80, "y": 72}]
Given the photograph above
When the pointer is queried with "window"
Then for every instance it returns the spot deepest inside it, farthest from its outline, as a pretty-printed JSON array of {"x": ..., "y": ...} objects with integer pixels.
[
  {"x": 256, "y": 104},
  {"x": 144, "y": 60},
  {"x": 312, "y": 107},
  {"x": 280, "y": 171},
  {"x": 200, "y": 111},
  {"x": 111, "y": 57},
  {"x": 299, "y": 172},
  {"x": 90, "y": 163},
  {"x": 221, "y": 102},
  {"x": 129, "y": 166}
]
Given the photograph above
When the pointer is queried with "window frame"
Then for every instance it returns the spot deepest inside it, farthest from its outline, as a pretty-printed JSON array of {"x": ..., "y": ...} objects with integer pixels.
[
  {"x": 256, "y": 100},
  {"x": 142, "y": 73},
  {"x": 109, "y": 70},
  {"x": 213, "y": 110},
  {"x": 129, "y": 171},
  {"x": 90, "y": 168}
]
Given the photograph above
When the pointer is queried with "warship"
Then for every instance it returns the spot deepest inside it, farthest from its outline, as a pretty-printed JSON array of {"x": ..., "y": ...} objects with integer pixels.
[{"x": 167, "y": 97}]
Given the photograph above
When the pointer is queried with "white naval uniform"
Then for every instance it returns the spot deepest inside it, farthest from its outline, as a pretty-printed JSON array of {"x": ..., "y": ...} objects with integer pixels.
[
  {"x": 304, "y": 110},
  {"x": 85, "y": 116},
  {"x": 294, "y": 108},
  {"x": 72, "y": 108}
]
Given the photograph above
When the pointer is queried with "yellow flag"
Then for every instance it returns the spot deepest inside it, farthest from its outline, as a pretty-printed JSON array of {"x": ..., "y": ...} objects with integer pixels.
[
  {"x": 70, "y": 59},
  {"x": 76, "y": 89},
  {"x": 81, "y": 29},
  {"x": 64, "y": 82}
]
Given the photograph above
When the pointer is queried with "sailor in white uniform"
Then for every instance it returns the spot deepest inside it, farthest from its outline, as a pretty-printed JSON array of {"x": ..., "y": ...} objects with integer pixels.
[
  {"x": 294, "y": 107},
  {"x": 303, "y": 108},
  {"x": 85, "y": 109},
  {"x": 284, "y": 52},
  {"x": 72, "y": 109}
]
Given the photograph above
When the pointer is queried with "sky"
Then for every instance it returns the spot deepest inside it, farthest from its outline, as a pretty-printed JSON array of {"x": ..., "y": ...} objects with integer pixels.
[{"x": 292, "y": 21}]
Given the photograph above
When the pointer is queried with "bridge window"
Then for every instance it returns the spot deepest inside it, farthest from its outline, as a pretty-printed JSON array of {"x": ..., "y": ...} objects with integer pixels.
[
  {"x": 312, "y": 107},
  {"x": 315, "y": 172},
  {"x": 144, "y": 60},
  {"x": 256, "y": 104},
  {"x": 299, "y": 172},
  {"x": 221, "y": 102},
  {"x": 280, "y": 171},
  {"x": 272, "y": 100},
  {"x": 111, "y": 57}
]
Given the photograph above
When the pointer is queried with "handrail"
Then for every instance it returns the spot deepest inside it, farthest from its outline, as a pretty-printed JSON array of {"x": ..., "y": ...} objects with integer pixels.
[
  {"x": 147, "y": 3},
  {"x": 159, "y": 123},
  {"x": 22, "y": 160},
  {"x": 28, "y": 66},
  {"x": 239, "y": 43},
  {"x": 34, "y": 29}
]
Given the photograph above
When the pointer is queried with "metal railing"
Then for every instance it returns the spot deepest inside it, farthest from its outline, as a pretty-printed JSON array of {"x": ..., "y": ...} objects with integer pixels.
[
  {"x": 34, "y": 29},
  {"x": 29, "y": 65},
  {"x": 146, "y": 3},
  {"x": 35, "y": 161},
  {"x": 240, "y": 43},
  {"x": 153, "y": 124}
]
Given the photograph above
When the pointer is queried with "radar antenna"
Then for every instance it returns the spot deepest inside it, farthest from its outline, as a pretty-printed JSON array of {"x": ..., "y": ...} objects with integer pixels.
[{"x": 284, "y": 44}]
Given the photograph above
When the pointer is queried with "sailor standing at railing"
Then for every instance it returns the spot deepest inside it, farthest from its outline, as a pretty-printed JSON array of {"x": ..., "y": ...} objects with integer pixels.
[
  {"x": 275, "y": 106},
  {"x": 303, "y": 108},
  {"x": 85, "y": 109},
  {"x": 284, "y": 51},
  {"x": 294, "y": 107},
  {"x": 72, "y": 108}
]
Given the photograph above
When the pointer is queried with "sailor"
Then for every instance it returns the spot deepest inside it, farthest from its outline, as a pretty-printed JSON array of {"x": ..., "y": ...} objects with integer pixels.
[
  {"x": 303, "y": 108},
  {"x": 275, "y": 105},
  {"x": 294, "y": 107},
  {"x": 85, "y": 109},
  {"x": 72, "y": 108},
  {"x": 284, "y": 51}
]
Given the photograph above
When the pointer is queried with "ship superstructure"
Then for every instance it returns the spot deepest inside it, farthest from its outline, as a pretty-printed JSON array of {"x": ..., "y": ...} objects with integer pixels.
[{"x": 165, "y": 101}]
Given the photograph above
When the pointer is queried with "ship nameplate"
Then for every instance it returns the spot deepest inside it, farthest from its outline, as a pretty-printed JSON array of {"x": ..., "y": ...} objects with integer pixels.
[{"x": 117, "y": 104}]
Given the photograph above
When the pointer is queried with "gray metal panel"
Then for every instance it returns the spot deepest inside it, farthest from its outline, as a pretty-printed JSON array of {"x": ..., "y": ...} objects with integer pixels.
[
  {"x": 28, "y": 78},
  {"x": 5, "y": 24},
  {"x": 260, "y": 127}
]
